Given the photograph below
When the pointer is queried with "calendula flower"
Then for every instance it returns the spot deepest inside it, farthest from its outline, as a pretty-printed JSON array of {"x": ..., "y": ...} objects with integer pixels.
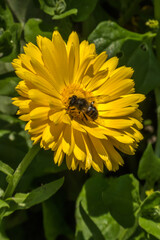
[{"x": 78, "y": 104}]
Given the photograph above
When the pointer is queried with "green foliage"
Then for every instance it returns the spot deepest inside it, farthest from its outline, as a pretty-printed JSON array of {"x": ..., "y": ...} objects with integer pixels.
[
  {"x": 150, "y": 215},
  {"x": 108, "y": 209},
  {"x": 6, "y": 169},
  {"x": 109, "y": 36},
  {"x": 38, "y": 195},
  {"x": 149, "y": 166},
  {"x": 135, "y": 49},
  {"x": 84, "y": 7},
  {"x": 54, "y": 219},
  {"x": 56, "y": 8},
  {"x": 122, "y": 199},
  {"x": 109, "y": 206}
]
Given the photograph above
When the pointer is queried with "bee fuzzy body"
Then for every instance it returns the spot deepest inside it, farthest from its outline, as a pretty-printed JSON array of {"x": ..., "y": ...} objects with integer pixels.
[{"x": 88, "y": 109}]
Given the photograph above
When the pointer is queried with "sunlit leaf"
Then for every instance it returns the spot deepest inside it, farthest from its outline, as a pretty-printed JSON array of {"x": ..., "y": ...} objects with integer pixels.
[{"x": 109, "y": 36}]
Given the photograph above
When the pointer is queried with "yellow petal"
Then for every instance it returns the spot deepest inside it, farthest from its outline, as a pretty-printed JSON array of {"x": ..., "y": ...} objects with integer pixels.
[
  {"x": 114, "y": 155},
  {"x": 39, "y": 113},
  {"x": 57, "y": 117},
  {"x": 40, "y": 83},
  {"x": 44, "y": 99},
  {"x": 66, "y": 139},
  {"x": 33, "y": 51},
  {"x": 73, "y": 40},
  {"x": 100, "y": 149},
  {"x": 86, "y": 49},
  {"x": 116, "y": 123},
  {"x": 71, "y": 162},
  {"x": 111, "y": 64},
  {"x": 79, "y": 147},
  {"x": 48, "y": 76},
  {"x": 58, "y": 155},
  {"x": 60, "y": 54}
]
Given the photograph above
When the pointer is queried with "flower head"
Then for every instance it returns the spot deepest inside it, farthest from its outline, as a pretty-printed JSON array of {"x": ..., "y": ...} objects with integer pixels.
[{"x": 78, "y": 104}]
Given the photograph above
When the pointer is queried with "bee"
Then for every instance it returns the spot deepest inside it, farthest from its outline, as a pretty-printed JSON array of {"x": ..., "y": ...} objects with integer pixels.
[{"x": 84, "y": 106}]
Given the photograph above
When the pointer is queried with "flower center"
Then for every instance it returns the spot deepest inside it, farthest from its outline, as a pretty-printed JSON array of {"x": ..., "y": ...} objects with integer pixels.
[{"x": 79, "y": 104}]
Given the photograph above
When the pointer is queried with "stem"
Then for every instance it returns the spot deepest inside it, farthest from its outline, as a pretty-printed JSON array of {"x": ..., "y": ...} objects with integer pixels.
[
  {"x": 157, "y": 90},
  {"x": 20, "y": 170}
]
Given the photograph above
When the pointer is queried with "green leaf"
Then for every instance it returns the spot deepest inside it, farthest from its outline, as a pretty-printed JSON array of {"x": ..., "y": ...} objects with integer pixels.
[
  {"x": 54, "y": 219},
  {"x": 91, "y": 215},
  {"x": 1, "y": 192},
  {"x": 6, "y": 18},
  {"x": 150, "y": 215},
  {"x": 3, "y": 204},
  {"x": 10, "y": 119},
  {"x": 122, "y": 199},
  {"x": 6, "y": 105},
  {"x": 8, "y": 83},
  {"x": 15, "y": 31},
  {"x": 84, "y": 7},
  {"x": 6, "y": 169},
  {"x": 5, "y": 68},
  {"x": 5, "y": 43},
  {"x": 19, "y": 198},
  {"x": 65, "y": 14},
  {"x": 38, "y": 195},
  {"x": 93, "y": 219},
  {"x": 140, "y": 234},
  {"x": 139, "y": 55},
  {"x": 135, "y": 50},
  {"x": 149, "y": 166},
  {"x": 46, "y": 167},
  {"x": 35, "y": 27},
  {"x": 4, "y": 132},
  {"x": 25, "y": 10},
  {"x": 53, "y": 6},
  {"x": 109, "y": 36}
]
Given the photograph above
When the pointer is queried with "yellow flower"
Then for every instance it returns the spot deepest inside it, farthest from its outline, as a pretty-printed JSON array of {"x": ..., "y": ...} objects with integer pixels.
[
  {"x": 78, "y": 104},
  {"x": 149, "y": 192}
]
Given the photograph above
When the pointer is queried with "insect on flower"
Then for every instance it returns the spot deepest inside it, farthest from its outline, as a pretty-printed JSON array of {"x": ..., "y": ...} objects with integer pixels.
[
  {"x": 88, "y": 109},
  {"x": 78, "y": 104}
]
